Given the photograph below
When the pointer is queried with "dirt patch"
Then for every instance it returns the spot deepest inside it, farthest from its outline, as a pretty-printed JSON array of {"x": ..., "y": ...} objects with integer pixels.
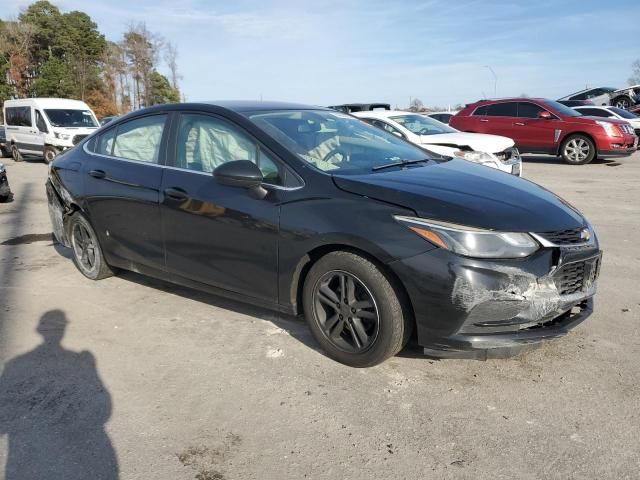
[{"x": 208, "y": 461}]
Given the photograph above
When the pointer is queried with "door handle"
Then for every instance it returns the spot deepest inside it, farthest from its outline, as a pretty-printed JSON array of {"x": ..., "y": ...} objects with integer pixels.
[
  {"x": 176, "y": 193},
  {"x": 97, "y": 173},
  {"x": 519, "y": 123},
  {"x": 484, "y": 120}
]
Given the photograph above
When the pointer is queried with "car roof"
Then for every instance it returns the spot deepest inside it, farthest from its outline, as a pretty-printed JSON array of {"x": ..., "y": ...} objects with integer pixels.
[
  {"x": 43, "y": 102},
  {"x": 509, "y": 99},
  {"x": 258, "y": 105}
]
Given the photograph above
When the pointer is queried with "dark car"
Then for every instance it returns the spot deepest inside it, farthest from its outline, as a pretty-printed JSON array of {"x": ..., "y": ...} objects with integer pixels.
[
  {"x": 538, "y": 125},
  {"x": 4, "y": 150},
  {"x": 5, "y": 192},
  {"x": 360, "y": 107},
  {"x": 575, "y": 103},
  {"x": 306, "y": 210}
]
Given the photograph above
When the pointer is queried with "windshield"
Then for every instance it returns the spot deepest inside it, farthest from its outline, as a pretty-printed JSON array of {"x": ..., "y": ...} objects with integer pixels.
[
  {"x": 335, "y": 142},
  {"x": 623, "y": 113},
  {"x": 70, "y": 118},
  {"x": 421, "y": 125},
  {"x": 562, "y": 109}
]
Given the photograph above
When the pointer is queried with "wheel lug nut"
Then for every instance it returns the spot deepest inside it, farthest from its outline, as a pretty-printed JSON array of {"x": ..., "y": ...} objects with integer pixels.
[{"x": 353, "y": 310}]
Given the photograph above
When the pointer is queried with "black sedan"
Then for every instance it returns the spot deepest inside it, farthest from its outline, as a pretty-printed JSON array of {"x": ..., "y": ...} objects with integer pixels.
[{"x": 311, "y": 211}]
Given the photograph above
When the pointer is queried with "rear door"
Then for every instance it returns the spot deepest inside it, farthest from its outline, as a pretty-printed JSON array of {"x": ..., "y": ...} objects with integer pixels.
[
  {"x": 218, "y": 234},
  {"x": 122, "y": 178},
  {"x": 535, "y": 134}
]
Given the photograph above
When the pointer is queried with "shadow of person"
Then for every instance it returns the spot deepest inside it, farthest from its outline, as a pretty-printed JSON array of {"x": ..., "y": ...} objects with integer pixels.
[{"x": 53, "y": 407}]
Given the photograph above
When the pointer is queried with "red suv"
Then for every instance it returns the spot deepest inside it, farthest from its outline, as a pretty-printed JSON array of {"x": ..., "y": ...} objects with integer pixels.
[{"x": 538, "y": 125}]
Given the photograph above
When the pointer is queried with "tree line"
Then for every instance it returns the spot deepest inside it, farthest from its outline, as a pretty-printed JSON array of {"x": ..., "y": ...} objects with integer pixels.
[{"x": 48, "y": 53}]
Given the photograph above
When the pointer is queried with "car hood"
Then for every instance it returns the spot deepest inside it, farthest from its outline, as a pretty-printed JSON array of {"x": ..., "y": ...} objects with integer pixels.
[
  {"x": 479, "y": 142},
  {"x": 591, "y": 120},
  {"x": 461, "y": 192}
]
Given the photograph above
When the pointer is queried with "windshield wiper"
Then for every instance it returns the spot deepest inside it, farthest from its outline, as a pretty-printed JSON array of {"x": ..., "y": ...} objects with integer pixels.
[{"x": 400, "y": 163}]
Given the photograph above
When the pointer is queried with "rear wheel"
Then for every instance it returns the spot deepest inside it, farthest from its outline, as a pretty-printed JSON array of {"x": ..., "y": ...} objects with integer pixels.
[
  {"x": 353, "y": 310},
  {"x": 15, "y": 153},
  {"x": 49, "y": 154},
  {"x": 578, "y": 150},
  {"x": 622, "y": 102},
  {"x": 87, "y": 254}
]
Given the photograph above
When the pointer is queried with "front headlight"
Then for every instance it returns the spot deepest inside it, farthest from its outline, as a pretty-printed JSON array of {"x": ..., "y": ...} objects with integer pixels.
[
  {"x": 475, "y": 157},
  {"x": 611, "y": 129},
  {"x": 470, "y": 241}
]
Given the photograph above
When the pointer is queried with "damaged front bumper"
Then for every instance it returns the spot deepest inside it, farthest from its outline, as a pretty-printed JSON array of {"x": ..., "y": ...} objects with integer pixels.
[{"x": 476, "y": 308}]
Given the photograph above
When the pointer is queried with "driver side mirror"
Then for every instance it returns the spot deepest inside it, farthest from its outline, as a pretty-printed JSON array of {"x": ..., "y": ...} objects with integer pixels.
[
  {"x": 243, "y": 174},
  {"x": 545, "y": 115}
]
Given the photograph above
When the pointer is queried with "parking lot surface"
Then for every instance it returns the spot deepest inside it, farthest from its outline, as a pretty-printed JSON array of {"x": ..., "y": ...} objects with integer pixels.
[{"x": 143, "y": 379}]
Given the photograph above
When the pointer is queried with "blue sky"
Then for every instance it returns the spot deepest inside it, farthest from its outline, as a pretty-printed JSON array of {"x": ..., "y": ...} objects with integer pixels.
[{"x": 337, "y": 51}]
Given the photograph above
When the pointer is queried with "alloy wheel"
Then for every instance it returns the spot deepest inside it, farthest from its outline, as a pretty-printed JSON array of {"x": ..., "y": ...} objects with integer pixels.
[
  {"x": 577, "y": 149},
  {"x": 84, "y": 247},
  {"x": 623, "y": 103},
  {"x": 346, "y": 311}
]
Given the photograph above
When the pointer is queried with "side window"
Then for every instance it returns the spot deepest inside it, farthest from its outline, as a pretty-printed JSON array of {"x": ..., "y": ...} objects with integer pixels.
[
  {"x": 595, "y": 112},
  {"x": 529, "y": 110},
  {"x": 505, "y": 109},
  {"x": 385, "y": 126},
  {"x": 205, "y": 142},
  {"x": 480, "y": 110},
  {"x": 105, "y": 142},
  {"x": 18, "y": 116},
  {"x": 40, "y": 123},
  {"x": 580, "y": 96},
  {"x": 139, "y": 139}
]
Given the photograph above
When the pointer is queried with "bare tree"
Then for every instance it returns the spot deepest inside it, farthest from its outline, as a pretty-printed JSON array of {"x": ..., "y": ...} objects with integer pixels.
[
  {"x": 16, "y": 40},
  {"x": 141, "y": 49},
  {"x": 634, "y": 79},
  {"x": 416, "y": 105},
  {"x": 171, "y": 57}
]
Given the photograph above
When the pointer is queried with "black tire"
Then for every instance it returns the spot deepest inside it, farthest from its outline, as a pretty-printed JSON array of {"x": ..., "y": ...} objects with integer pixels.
[
  {"x": 4, "y": 152},
  {"x": 49, "y": 154},
  {"x": 86, "y": 250},
  {"x": 380, "y": 337},
  {"x": 15, "y": 153},
  {"x": 578, "y": 150},
  {"x": 623, "y": 102}
]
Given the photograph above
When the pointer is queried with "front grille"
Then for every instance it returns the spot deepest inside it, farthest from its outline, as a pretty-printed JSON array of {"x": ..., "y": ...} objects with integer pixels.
[
  {"x": 78, "y": 138},
  {"x": 564, "y": 237},
  {"x": 626, "y": 128},
  {"x": 577, "y": 276}
]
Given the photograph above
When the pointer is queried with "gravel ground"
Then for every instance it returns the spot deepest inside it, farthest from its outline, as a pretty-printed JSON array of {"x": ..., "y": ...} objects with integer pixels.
[{"x": 149, "y": 380}]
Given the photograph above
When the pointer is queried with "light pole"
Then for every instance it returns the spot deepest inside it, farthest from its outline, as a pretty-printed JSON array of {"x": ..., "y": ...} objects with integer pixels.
[{"x": 495, "y": 81}]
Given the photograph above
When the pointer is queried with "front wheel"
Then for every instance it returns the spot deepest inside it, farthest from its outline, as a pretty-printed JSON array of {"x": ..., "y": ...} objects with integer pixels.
[
  {"x": 87, "y": 254},
  {"x": 578, "y": 150},
  {"x": 49, "y": 154},
  {"x": 353, "y": 310}
]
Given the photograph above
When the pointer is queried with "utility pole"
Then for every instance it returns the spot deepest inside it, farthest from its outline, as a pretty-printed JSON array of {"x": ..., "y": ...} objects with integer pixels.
[{"x": 495, "y": 81}]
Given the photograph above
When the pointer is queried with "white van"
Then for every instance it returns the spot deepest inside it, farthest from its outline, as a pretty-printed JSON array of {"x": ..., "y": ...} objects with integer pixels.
[{"x": 46, "y": 126}]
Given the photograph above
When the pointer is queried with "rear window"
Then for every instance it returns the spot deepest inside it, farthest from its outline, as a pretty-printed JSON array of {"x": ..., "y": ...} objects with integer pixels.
[
  {"x": 18, "y": 116},
  {"x": 505, "y": 109}
]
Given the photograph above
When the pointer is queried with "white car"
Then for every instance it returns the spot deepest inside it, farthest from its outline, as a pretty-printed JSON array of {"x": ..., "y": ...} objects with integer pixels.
[
  {"x": 489, "y": 150},
  {"x": 611, "y": 112},
  {"x": 46, "y": 126}
]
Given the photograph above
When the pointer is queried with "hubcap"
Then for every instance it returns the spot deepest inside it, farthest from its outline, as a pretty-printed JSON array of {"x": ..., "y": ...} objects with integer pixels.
[
  {"x": 50, "y": 155},
  {"x": 84, "y": 247},
  {"x": 577, "y": 149},
  {"x": 346, "y": 311}
]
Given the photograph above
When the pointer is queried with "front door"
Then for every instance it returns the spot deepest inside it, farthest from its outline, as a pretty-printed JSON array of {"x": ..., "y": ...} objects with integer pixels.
[
  {"x": 123, "y": 175},
  {"x": 535, "y": 134},
  {"x": 500, "y": 120},
  {"x": 217, "y": 234}
]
